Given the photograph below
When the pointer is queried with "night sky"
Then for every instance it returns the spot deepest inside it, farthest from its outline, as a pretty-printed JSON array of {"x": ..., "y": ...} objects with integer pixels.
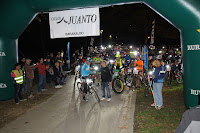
[{"x": 127, "y": 24}]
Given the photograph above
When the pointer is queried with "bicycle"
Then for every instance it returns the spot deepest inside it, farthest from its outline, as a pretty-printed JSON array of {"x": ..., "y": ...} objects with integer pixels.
[
  {"x": 178, "y": 75},
  {"x": 129, "y": 78},
  {"x": 90, "y": 87},
  {"x": 117, "y": 83},
  {"x": 144, "y": 80}
]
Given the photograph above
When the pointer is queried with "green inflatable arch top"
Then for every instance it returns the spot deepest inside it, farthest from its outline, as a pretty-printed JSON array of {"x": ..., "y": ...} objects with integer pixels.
[{"x": 184, "y": 14}]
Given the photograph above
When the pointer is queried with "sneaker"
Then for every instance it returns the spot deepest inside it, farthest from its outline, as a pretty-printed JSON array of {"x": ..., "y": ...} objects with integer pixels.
[
  {"x": 30, "y": 97},
  {"x": 103, "y": 98},
  {"x": 109, "y": 99},
  {"x": 85, "y": 99},
  {"x": 152, "y": 105},
  {"x": 17, "y": 103},
  {"x": 160, "y": 107},
  {"x": 22, "y": 100},
  {"x": 44, "y": 89},
  {"x": 57, "y": 86},
  {"x": 60, "y": 86}
]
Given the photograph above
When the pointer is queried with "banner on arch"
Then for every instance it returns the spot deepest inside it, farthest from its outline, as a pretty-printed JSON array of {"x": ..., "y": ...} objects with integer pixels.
[{"x": 74, "y": 23}]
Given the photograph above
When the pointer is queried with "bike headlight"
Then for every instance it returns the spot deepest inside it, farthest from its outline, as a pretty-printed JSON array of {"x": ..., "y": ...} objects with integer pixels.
[
  {"x": 135, "y": 68},
  {"x": 167, "y": 66},
  {"x": 88, "y": 80},
  {"x": 111, "y": 61},
  {"x": 135, "y": 53},
  {"x": 96, "y": 68},
  {"x": 150, "y": 72}
]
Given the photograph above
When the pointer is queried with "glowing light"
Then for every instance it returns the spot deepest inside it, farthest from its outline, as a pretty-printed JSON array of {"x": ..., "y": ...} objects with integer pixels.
[
  {"x": 96, "y": 68},
  {"x": 111, "y": 61},
  {"x": 167, "y": 66},
  {"x": 150, "y": 73}
]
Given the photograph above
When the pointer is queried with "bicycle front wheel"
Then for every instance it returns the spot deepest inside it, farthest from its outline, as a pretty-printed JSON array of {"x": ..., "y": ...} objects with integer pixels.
[
  {"x": 146, "y": 90},
  {"x": 94, "y": 93},
  {"x": 117, "y": 85},
  {"x": 80, "y": 87}
]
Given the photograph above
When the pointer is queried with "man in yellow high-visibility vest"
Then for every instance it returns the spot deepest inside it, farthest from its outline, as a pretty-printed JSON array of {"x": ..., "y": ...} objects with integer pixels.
[{"x": 17, "y": 78}]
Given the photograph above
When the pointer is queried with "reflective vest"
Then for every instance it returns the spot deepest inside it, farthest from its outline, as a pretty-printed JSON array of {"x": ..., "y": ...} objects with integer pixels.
[
  {"x": 120, "y": 63},
  {"x": 132, "y": 54},
  {"x": 18, "y": 76},
  {"x": 97, "y": 60}
]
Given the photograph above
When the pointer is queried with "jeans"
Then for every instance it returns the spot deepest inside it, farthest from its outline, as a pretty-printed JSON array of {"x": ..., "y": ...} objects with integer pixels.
[
  {"x": 42, "y": 80},
  {"x": 157, "y": 91},
  {"x": 103, "y": 86},
  {"x": 18, "y": 92},
  {"x": 29, "y": 84}
]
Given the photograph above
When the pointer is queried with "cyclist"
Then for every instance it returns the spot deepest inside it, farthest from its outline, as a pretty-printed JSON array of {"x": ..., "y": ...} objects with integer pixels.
[
  {"x": 122, "y": 57},
  {"x": 139, "y": 64},
  {"x": 127, "y": 58},
  {"x": 97, "y": 61},
  {"x": 85, "y": 72},
  {"x": 119, "y": 64}
]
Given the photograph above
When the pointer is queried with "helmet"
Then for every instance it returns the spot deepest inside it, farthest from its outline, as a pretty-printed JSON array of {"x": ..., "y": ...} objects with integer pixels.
[
  {"x": 89, "y": 59},
  {"x": 117, "y": 55}
]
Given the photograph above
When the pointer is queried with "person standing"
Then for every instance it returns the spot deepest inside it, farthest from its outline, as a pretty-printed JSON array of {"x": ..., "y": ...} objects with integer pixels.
[
  {"x": 17, "y": 78},
  {"x": 29, "y": 76},
  {"x": 42, "y": 75},
  {"x": 106, "y": 78},
  {"x": 22, "y": 63},
  {"x": 158, "y": 79}
]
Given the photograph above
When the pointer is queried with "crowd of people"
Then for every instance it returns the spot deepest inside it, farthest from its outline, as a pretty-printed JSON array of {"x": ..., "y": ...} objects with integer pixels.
[
  {"x": 108, "y": 59},
  {"x": 118, "y": 58},
  {"x": 49, "y": 69}
]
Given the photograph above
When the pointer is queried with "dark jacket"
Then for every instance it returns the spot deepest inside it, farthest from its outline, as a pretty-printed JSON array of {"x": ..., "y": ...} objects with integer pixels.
[
  {"x": 106, "y": 74},
  {"x": 190, "y": 122},
  {"x": 159, "y": 74}
]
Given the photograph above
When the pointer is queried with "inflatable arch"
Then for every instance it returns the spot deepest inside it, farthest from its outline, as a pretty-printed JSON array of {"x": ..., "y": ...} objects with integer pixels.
[{"x": 184, "y": 14}]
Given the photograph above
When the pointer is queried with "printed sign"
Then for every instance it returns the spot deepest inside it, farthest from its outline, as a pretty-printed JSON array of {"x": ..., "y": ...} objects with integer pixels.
[
  {"x": 75, "y": 23},
  {"x": 2, "y": 54},
  {"x": 145, "y": 56},
  {"x": 2, "y": 85},
  {"x": 152, "y": 32},
  {"x": 194, "y": 92},
  {"x": 193, "y": 47}
]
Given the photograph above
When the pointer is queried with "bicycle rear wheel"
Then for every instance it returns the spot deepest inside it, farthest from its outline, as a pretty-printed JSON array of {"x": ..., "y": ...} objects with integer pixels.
[
  {"x": 94, "y": 93},
  {"x": 117, "y": 85},
  {"x": 179, "y": 77},
  {"x": 167, "y": 79}
]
